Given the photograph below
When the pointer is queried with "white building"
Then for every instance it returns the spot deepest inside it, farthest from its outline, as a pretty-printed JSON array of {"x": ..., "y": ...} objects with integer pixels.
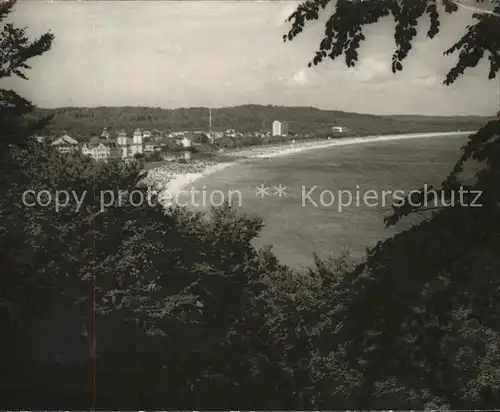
[
  {"x": 149, "y": 147},
  {"x": 66, "y": 143},
  {"x": 339, "y": 129},
  {"x": 186, "y": 142},
  {"x": 105, "y": 133},
  {"x": 230, "y": 133},
  {"x": 130, "y": 146},
  {"x": 137, "y": 142},
  {"x": 280, "y": 128},
  {"x": 171, "y": 157},
  {"x": 123, "y": 142},
  {"x": 101, "y": 149}
]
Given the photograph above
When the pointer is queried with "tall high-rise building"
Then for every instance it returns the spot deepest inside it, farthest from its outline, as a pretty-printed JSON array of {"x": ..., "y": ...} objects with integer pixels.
[{"x": 280, "y": 128}]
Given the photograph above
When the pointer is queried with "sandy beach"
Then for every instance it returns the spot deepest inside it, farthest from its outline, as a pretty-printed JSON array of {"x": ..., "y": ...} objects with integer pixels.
[
  {"x": 285, "y": 150},
  {"x": 169, "y": 180}
]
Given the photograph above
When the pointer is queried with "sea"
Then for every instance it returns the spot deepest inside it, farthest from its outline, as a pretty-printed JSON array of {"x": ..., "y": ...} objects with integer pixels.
[{"x": 332, "y": 200}]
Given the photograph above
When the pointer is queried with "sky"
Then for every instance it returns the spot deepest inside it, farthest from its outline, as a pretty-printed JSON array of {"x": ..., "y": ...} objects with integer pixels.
[{"x": 224, "y": 53}]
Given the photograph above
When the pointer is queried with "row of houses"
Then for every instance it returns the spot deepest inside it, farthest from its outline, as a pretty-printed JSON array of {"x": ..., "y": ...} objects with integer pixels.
[{"x": 120, "y": 146}]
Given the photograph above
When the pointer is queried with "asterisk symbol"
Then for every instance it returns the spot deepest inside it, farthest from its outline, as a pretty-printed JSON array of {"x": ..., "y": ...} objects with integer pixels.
[
  {"x": 262, "y": 191},
  {"x": 280, "y": 190}
]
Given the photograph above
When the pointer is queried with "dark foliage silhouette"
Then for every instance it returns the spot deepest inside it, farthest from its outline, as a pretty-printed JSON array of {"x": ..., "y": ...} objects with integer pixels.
[
  {"x": 415, "y": 326},
  {"x": 189, "y": 315}
]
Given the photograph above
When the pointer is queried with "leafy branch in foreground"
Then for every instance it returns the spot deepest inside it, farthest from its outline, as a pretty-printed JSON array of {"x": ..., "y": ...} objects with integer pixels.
[
  {"x": 415, "y": 326},
  {"x": 344, "y": 34},
  {"x": 483, "y": 147},
  {"x": 344, "y": 30},
  {"x": 15, "y": 52}
]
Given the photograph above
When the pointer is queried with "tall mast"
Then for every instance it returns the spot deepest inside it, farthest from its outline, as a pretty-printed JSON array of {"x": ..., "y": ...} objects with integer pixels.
[
  {"x": 210, "y": 121},
  {"x": 210, "y": 125}
]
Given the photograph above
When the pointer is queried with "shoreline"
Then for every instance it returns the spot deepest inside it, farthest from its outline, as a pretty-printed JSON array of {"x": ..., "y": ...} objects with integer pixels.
[
  {"x": 171, "y": 179},
  {"x": 259, "y": 152}
]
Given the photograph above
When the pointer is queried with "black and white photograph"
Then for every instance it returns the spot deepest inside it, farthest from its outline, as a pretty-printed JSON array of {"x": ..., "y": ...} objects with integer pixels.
[{"x": 250, "y": 205}]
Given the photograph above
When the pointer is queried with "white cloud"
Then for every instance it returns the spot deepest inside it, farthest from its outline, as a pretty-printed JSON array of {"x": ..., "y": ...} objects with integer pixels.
[
  {"x": 301, "y": 77},
  {"x": 371, "y": 69},
  {"x": 427, "y": 81}
]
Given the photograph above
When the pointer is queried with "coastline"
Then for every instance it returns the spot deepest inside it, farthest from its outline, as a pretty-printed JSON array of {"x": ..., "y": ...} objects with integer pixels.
[
  {"x": 178, "y": 182},
  {"x": 171, "y": 179},
  {"x": 259, "y": 152}
]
